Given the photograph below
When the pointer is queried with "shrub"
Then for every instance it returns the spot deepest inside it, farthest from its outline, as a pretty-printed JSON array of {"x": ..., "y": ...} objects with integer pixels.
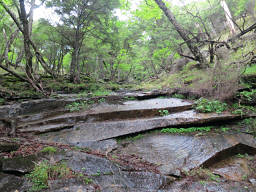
[{"x": 207, "y": 106}]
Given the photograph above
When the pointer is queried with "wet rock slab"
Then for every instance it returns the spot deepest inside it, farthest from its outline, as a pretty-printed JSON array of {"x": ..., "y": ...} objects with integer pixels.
[
  {"x": 39, "y": 123},
  {"x": 174, "y": 153},
  {"x": 157, "y": 103},
  {"x": 98, "y": 131}
]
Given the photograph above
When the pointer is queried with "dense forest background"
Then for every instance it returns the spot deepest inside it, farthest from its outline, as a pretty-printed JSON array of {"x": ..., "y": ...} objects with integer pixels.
[{"x": 162, "y": 44}]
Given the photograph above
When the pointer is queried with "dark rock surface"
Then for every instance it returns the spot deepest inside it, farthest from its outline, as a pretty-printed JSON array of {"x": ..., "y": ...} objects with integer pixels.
[
  {"x": 8, "y": 146},
  {"x": 10, "y": 183},
  {"x": 18, "y": 165}
]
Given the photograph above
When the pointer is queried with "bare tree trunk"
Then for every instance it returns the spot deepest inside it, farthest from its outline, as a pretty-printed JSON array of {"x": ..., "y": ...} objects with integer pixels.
[
  {"x": 28, "y": 54},
  {"x": 228, "y": 17},
  {"x": 182, "y": 32}
]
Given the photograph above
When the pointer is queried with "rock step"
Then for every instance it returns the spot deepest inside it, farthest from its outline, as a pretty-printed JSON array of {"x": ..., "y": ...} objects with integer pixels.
[
  {"x": 39, "y": 117},
  {"x": 45, "y": 128},
  {"x": 98, "y": 131},
  {"x": 106, "y": 112}
]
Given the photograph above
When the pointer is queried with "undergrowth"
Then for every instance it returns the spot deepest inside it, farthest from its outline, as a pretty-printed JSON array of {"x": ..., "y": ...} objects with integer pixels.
[
  {"x": 186, "y": 130},
  {"x": 45, "y": 171},
  {"x": 242, "y": 109},
  {"x": 208, "y": 106}
]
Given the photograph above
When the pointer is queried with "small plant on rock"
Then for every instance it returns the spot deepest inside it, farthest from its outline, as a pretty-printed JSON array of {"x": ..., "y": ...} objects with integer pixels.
[{"x": 164, "y": 112}]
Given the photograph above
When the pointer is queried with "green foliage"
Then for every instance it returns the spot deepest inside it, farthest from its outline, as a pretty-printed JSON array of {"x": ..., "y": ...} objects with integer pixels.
[
  {"x": 224, "y": 129},
  {"x": 101, "y": 100},
  {"x": 186, "y": 130},
  {"x": 239, "y": 155},
  {"x": 207, "y": 106},
  {"x": 49, "y": 150},
  {"x": 87, "y": 180},
  {"x": 39, "y": 176},
  {"x": 45, "y": 171},
  {"x": 250, "y": 70},
  {"x": 77, "y": 106},
  {"x": 248, "y": 95},
  {"x": 214, "y": 177},
  {"x": 101, "y": 92},
  {"x": 164, "y": 112}
]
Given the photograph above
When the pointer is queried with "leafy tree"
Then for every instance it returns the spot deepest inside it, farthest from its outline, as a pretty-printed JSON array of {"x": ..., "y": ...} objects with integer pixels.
[{"x": 77, "y": 18}]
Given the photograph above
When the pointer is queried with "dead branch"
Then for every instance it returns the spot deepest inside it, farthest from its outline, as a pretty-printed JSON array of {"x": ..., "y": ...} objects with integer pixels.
[{"x": 252, "y": 27}]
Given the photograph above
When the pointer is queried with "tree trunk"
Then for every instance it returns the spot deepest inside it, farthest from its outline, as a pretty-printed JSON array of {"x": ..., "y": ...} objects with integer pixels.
[
  {"x": 183, "y": 34},
  {"x": 74, "y": 68},
  {"x": 28, "y": 54},
  {"x": 228, "y": 17}
]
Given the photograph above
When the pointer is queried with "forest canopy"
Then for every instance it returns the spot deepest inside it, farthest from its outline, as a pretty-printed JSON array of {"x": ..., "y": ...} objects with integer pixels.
[{"x": 117, "y": 40}]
